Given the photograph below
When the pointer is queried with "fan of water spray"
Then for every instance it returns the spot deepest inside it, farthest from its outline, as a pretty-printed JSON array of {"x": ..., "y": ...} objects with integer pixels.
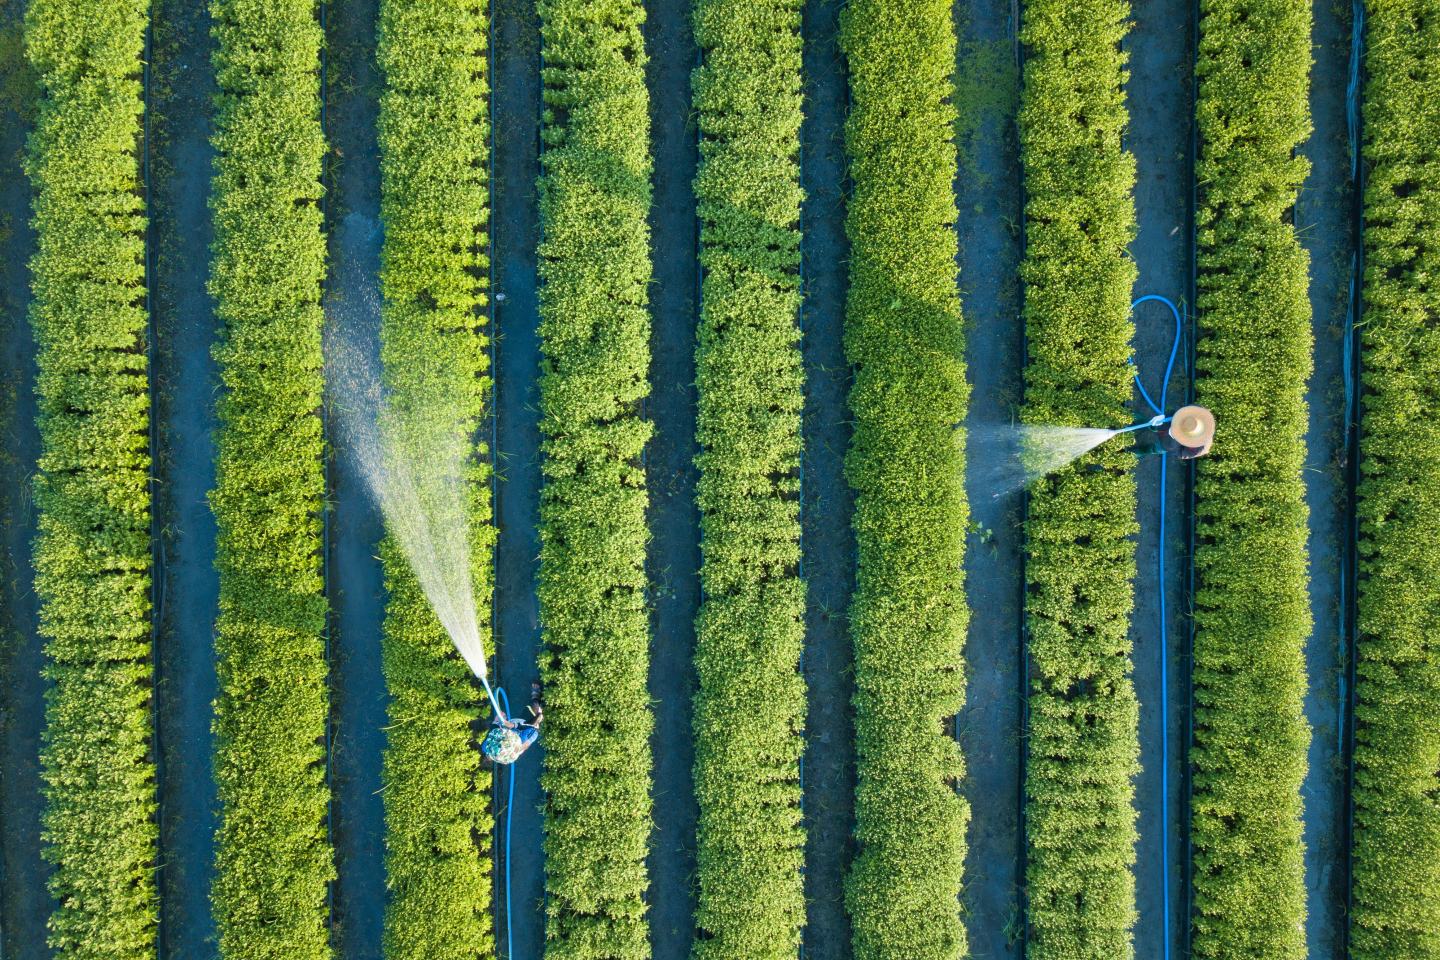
[
  {"x": 414, "y": 459},
  {"x": 1003, "y": 459}
]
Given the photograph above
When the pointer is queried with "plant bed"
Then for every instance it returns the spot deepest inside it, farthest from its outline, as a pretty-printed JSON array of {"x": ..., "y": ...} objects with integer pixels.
[
  {"x": 1251, "y": 607},
  {"x": 905, "y": 341},
  {"x": 594, "y": 266},
  {"x": 92, "y": 559},
  {"x": 273, "y": 858},
  {"x": 1396, "y": 845},
  {"x": 750, "y": 706},
  {"x": 1083, "y": 748}
]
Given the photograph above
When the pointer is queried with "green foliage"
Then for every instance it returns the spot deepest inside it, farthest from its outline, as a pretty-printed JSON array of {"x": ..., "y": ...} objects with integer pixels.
[
  {"x": 905, "y": 340},
  {"x": 595, "y": 339},
  {"x": 1397, "y": 726},
  {"x": 434, "y": 143},
  {"x": 1083, "y": 740},
  {"x": 92, "y": 551},
  {"x": 1251, "y": 609},
  {"x": 273, "y": 858},
  {"x": 750, "y": 629}
]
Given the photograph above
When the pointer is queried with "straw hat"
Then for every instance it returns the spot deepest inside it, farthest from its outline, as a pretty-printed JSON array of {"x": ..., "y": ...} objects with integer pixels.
[{"x": 1193, "y": 426}]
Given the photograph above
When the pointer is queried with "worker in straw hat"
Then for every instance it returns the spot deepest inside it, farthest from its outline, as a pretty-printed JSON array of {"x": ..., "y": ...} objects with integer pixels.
[{"x": 1187, "y": 435}]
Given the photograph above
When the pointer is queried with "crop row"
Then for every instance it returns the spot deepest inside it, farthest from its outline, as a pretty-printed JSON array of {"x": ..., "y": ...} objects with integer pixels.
[
  {"x": 1251, "y": 607},
  {"x": 750, "y": 706},
  {"x": 595, "y": 270},
  {"x": 905, "y": 341},
  {"x": 1396, "y": 885},
  {"x": 434, "y": 274},
  {"x": 92, "y": 551},
  {"x": 273, "y": 858},
  {"x": 1083, "y": 746}
]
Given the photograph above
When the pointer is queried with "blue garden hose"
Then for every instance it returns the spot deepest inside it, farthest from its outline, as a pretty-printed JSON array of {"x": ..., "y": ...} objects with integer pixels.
[
  {"x": 1164, "y": 625},
  {"x": 509, "y": 806}
]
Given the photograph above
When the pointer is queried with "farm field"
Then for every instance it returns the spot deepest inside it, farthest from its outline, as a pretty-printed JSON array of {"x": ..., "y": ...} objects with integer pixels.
[{"x": 749, "y": 376}]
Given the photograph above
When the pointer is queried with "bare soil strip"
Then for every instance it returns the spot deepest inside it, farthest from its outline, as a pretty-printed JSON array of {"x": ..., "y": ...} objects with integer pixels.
[
  {"x": 989, "y": 201},
  {"x": 515, "y": 233},
  {"x": 185, "y": 384}
]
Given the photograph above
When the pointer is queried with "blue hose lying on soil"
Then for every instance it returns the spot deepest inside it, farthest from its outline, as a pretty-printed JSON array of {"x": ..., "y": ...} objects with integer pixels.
[{"x": 1164, "y": 620}]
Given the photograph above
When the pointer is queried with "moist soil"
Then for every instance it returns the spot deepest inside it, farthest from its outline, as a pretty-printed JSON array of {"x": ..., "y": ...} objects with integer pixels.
[
  {"x": 515, "y": 232},
  {"x": 24, "y": 902},
  {"x": 827, "y": 506},
  {"x": 1161, "y": 100},
  {"x": 185, "y": 384},
  {"x": 674, "y": 550},
  {"x": 989, "y": 204},
  {"x": 1323, "y": 221},
  {"x": 354, "y": 579}
]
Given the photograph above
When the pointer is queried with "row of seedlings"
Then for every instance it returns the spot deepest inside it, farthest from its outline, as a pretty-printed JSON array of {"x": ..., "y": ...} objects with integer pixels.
[
  {"x": 273, "y": 857},
  {"x": 434, "y": 275},
  {"x": 1396, "y": 851},
  {"x": 750, "y": 705},
  {"x": 905, "y": 341},
  {"x": 1251, "y": 605},
  {"x": 595, "y": 271},
  {"x": 1083, "y": 749},
  {"x": 92, "y": 555}
]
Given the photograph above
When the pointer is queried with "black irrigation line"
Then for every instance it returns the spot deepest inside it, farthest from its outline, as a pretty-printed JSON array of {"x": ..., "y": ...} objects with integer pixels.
[
  {"x": 1022, "y": 855},
  {"x": 1187, "y": 660},
  {"x": 328, "y": 462},
  {"x": 1349, "y": 572},
  {"x": 157, "y": 531}
]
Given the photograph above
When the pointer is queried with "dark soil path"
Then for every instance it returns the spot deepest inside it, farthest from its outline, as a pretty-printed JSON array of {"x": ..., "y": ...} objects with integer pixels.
[
  {"x": 674, "y": 553},
  {"x": 24, "y": 903},
  {"x": 1323, "y": 220},
  {"x": 355, "y": 585},
  {"x": 1161, "y": 111},
  {"x": 989, "y": 198},
  {"x": 185, "y": 384},
  {"x": 827, "y": 505},
  {"x": 515, "y": 231}
]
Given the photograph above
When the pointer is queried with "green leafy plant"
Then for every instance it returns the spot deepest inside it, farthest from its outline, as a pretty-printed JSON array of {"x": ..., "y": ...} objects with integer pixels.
[
  {"x": 434, "y": 144},
  {"x": 273, "y": 858},
  {"x": 92, "y": 496},
  {"x": 1251, "y": 608},
  {"x": 594, "y": 336},
  {"x": 905, "y": 340},
  {"x": 1396, "y": 885},
  {"x": 1083, "y": 748},
  {"x": 750, "y": 705}
]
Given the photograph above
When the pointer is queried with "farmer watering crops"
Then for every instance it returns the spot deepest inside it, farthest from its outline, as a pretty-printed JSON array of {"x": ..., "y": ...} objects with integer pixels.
[
  {"x": 509, "y": 738},
  {"x": 1189, "y": 434}
]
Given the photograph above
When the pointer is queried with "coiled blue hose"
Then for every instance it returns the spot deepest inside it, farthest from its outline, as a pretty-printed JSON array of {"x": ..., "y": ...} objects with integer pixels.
[{"x": 1164, "y": 622}]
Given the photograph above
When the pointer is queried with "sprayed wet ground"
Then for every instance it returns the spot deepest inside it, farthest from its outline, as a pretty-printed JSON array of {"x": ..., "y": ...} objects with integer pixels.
[
  {"x": 989, "y": 203},
  {"x": 185, "y": 384}
]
